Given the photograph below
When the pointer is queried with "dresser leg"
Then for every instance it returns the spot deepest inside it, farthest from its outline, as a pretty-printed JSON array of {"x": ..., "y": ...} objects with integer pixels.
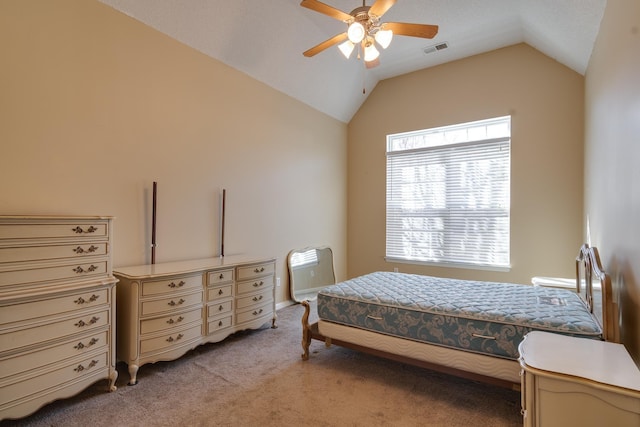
[
  {"x": 133, "y": 374},
  {"x": 113, "y": 377}
]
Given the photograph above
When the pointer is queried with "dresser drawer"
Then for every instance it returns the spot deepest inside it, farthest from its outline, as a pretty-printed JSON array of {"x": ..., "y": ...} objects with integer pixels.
[
  {"x": 257, "y": 299},
  {"x": 256, "y": 270},
  {"x": 219, "y": 277},
  {"x": 171, "y": 285},
  {"x": 73, "y": 371},
  {"x": 43, "y": 332},
  {"x": 175, "y": 339},
  {"x": 167, "y": 322},
  {"x": 219, "y": 308},
  {"x": 219, "y": 293},
  {"x": 81, "y": 230},
  {"x": 28, "y": 361},
  {"x": 255, "y": 285},
  {"x": 254, "y": 313},
  {"x": 172, "y": 303},
  {"x": 59, "y": 305},
  {"x": 219, "y": 324},
  {"x": 53, "y": 252},
  {"x": 68, "y": 271}
]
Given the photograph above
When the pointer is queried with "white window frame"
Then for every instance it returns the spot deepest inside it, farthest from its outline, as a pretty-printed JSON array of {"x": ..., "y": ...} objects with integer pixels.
[{"x": 435, "y": 208}]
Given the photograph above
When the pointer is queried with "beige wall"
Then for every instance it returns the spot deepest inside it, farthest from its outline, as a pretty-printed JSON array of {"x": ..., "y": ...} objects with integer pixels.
[
  {"x": 545, "y": 100},
  {"x": 95, "y": 106},
  {"x": 612, "y": 158}
]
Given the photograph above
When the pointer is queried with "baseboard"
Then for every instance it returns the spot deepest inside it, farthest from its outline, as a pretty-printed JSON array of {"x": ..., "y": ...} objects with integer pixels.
[{"x": 284, "y": 304}]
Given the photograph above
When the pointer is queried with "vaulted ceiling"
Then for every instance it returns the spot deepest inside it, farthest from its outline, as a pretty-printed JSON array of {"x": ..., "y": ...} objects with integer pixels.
[{"x": 265, "y": 39}]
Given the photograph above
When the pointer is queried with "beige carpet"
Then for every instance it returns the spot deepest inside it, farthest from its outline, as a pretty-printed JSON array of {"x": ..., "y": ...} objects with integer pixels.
[{"x": 257, "y": 378}]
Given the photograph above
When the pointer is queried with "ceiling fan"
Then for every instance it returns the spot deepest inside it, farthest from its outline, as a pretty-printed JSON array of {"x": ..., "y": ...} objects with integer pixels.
[{"x": 364, "y": 29}]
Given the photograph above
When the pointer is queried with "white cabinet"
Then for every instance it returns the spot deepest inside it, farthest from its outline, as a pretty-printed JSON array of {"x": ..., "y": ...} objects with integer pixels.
[
  {"x": 166, "y": 309},
  {"x": 569, "y": 381},
  {"x": 57, "y": 307}
]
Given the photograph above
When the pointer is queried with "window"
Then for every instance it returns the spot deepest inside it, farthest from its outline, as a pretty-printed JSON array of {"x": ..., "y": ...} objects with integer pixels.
[{"x": 448, "y": 194}]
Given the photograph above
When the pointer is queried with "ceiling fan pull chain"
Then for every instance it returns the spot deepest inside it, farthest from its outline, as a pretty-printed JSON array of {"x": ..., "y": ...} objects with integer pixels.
[{"x": 364, "y": 78}]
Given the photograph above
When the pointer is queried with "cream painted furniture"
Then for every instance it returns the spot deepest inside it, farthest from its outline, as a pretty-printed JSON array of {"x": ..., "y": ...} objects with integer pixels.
[
  {"x": 57, "y": 307},
  {"x": 569, "y": 381},
  {"x": 166, "y": 309}
]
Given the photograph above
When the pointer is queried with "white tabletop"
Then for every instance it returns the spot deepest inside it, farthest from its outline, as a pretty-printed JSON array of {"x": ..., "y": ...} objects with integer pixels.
[{"x": 603, "y": 362}]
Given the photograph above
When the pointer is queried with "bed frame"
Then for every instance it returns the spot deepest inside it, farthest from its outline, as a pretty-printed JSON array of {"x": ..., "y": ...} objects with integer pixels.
[{"x": 592, "y": 283}]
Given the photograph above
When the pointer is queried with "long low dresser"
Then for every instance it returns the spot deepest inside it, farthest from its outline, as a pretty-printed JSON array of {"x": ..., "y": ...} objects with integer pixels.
[
  {"x": 166, "y": 309},
  {"x": 57, "y": 307}
]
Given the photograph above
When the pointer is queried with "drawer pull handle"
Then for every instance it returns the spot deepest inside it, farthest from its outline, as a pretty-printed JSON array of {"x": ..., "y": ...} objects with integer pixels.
[
  {"x": 81, "y": 368},
  {"x": 82, "y": 323},
  {"x": 220, "y": 292},
  {"x": 80, "y": 250},
  {"x": 220, "y": 308},
  {"x": 220, "y": 323},
  {"x": 172, "y": 303},
  {"x": 255, "y": 313},
  {"x": 80, "y": 270},
  {"x": 79, "y": 230},
  {"x": 80, "y": 345},
  {"x": 179, "y": 285},
  {"x": 258, "y": 270},
  {"x": 258, "y": 284},
  {"x": 221, "y": 276},
  {"x": 84, "y": 301},
  {"x": 258, "y": 298},
  {"x": 178, "y": 320},
  {"x": 171, "y": 339}
]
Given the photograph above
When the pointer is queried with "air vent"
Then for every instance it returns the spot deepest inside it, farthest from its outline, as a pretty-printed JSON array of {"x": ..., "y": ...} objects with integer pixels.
[{"x": 435, "y": 47}]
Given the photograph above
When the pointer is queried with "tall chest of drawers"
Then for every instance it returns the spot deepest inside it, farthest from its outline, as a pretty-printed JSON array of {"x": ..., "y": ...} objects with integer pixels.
[
  {"x": 166, "y": 309},
  {"x": 57, "y": 308}
]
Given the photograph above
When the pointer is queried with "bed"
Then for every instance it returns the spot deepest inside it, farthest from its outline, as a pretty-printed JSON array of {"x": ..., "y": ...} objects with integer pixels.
[{"x": 462, "y": 327}]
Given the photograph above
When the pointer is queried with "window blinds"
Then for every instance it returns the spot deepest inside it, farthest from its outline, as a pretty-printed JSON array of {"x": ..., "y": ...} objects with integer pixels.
[{"x": 450, "y": 203}]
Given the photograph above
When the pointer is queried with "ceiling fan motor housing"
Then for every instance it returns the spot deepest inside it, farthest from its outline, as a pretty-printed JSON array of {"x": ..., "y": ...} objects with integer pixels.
[{"x": 369, "y": 21}]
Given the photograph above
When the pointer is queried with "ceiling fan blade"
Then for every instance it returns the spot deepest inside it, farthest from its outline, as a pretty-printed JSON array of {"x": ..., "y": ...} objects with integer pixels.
[
  {"x": 380, "y": 7},
  {"x": 326, "y": 10},
  {"x": 325, "y": 44},
  {"x": 412, "y": 30}
]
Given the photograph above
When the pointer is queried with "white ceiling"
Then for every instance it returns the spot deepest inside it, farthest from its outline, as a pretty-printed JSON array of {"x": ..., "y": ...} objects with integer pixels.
[{"x": 265, "y": 39}]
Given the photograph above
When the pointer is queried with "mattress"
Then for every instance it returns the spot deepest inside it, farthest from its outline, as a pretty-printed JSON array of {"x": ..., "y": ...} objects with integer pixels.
[{"x": 482, "y": 317}]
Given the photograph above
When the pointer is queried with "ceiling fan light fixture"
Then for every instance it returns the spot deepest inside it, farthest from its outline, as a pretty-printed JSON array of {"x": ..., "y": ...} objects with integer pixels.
[
  {"x": 355, "y": 32},
  {"x": 383, "y": 38},
  {"x": 346, "y": 48}
]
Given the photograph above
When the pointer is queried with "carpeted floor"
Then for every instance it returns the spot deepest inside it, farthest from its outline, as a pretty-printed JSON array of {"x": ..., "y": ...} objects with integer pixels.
[{"x": 257, "y": 378}]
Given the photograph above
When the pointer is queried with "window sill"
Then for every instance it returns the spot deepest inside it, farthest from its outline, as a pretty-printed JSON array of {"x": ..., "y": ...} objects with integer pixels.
[{"x": 450, "y": 264}]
